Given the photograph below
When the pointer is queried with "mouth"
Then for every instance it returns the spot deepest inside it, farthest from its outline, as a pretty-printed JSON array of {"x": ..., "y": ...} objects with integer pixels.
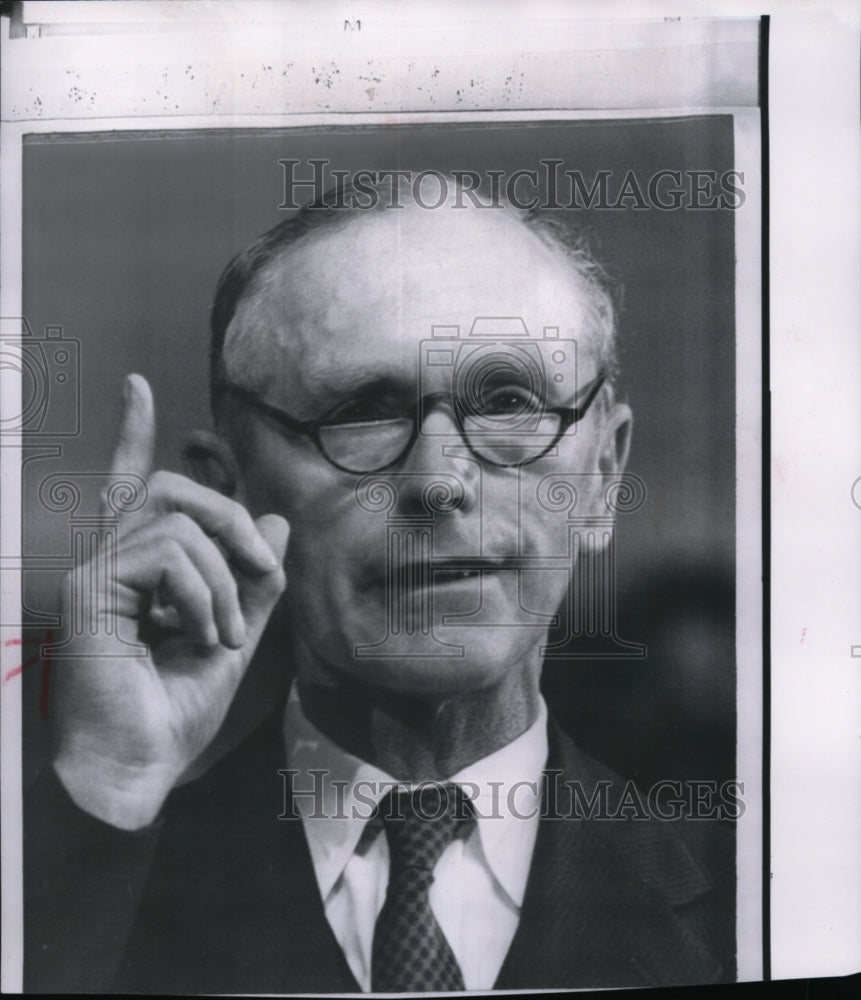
[
  {"x": 447, "y": 576},
  {"x": 422, "y": 574}
]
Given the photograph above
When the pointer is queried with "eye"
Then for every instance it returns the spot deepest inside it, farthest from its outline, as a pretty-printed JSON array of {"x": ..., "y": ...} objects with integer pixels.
[{"x": 508, "y": 401}]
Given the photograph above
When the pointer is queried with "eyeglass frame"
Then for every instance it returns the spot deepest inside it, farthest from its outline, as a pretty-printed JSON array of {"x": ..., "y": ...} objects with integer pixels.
[{"x": 569, "y": 415}]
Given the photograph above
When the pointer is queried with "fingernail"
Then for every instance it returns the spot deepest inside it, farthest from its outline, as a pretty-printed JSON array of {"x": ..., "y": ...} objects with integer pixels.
[{"x": 211, "y": 635}]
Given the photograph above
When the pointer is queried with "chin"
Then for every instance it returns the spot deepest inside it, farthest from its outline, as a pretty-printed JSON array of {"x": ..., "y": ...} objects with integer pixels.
[
  {"x": 423, "y": 656},
  {"x": 470, "y": 659}
]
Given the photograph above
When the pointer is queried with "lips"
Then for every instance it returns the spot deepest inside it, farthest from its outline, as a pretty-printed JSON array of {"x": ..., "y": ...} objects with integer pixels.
[
  {"x": 454, "y": 575},
  {"x": 444, "y": 572}
]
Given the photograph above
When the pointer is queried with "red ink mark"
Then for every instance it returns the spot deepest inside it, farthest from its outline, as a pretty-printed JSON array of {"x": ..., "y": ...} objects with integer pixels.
[
  {"x": 44, "y": 686},
  {"x": 803, "y": 634},
  {"x": 15, "y": 671}
]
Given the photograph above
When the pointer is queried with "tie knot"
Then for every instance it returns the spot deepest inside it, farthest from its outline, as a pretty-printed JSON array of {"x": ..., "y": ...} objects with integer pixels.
[{"x": 420, "y": 824}]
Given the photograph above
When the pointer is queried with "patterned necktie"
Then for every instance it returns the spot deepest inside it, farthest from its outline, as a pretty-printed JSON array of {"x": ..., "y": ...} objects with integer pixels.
[{"x": 410, "y": 952}]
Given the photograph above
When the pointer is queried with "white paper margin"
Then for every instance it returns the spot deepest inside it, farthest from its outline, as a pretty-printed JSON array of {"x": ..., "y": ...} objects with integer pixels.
[{"x": 816, "y": 350}]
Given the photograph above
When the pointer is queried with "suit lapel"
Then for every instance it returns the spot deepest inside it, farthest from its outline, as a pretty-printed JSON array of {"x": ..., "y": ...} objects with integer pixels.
[
  {"x": 284, "y": 925},
  {"x": 234, "y": 906},
  {"x": 599, "y": 903}
]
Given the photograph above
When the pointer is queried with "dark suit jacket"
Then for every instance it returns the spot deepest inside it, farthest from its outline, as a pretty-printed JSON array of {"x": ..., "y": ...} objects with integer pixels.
[{"x": 220, "y": 894}]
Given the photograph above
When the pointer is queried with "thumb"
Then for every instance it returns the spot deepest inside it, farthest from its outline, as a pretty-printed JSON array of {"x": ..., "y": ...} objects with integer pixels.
[{"x": 259, "y": 594}]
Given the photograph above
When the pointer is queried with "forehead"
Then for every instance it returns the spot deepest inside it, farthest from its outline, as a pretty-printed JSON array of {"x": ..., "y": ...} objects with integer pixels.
[{"x": 356, "y": 302}]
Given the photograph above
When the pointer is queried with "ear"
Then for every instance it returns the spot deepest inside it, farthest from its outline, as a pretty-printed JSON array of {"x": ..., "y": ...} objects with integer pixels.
[
  {"x": 616, "y": 439},
  {"x": 209, "y": 460}
]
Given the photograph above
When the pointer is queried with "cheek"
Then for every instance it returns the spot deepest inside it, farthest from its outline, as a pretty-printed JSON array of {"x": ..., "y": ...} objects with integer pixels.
[
  {"x": 289, "y": 479},
  {"x": 544, "y": 533},
  {"x": 558, "y": 495},
  {"x": 331, "y": 538}
]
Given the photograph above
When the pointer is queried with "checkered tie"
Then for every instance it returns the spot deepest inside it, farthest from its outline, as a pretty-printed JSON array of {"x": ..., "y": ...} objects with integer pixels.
[{"x": 410, "y": 952}]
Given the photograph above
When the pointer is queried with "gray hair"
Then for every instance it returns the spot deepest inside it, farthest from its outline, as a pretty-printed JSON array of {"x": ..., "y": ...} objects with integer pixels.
[{"x": 244, "y": 275}]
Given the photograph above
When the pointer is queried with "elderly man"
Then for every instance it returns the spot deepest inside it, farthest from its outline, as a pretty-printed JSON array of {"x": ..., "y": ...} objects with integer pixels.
[{"x": 394, "y": 385}]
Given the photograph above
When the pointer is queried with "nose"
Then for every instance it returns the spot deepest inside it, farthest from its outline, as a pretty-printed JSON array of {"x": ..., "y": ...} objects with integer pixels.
[
  {"x": 437, "y": 429},
  {"x": 438, "y": 450},
  {"x": 438, "y": 414}
]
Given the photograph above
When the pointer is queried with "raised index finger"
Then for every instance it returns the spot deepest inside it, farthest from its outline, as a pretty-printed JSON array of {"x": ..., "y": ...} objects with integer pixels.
[{"x": 135, "y": 448}]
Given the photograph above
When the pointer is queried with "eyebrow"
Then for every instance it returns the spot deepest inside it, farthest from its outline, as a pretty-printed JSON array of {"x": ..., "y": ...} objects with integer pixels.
[{"x": 346, "y": 385}]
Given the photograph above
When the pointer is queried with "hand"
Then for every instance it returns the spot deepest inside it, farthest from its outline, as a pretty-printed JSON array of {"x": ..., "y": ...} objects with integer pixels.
[{"x": 197, "y": 579}]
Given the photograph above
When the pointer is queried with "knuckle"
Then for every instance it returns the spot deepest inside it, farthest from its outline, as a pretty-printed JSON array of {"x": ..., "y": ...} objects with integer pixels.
[
  {"x": 180, "y": 522},
  {"x": 166, "y": 488},
  {"x": 196, "y": 599},
  {"x": 158, "y": 482},
  {"x": 173, "y": 552}
]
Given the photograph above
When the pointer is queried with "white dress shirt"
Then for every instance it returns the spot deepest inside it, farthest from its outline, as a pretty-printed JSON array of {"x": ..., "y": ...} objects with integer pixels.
[{"x": 479, "y": 881}]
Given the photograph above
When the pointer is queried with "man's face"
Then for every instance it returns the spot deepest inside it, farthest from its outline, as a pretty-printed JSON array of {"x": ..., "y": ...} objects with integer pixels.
[{"x": 369, "y": 592}]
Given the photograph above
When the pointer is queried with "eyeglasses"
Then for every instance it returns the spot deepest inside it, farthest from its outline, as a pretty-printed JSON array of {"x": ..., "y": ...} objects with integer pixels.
[{"x": 507, "y": 426}]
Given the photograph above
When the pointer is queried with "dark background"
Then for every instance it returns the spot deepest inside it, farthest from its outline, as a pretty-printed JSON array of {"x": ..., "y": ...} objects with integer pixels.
[{"x": 126, "y": 234}]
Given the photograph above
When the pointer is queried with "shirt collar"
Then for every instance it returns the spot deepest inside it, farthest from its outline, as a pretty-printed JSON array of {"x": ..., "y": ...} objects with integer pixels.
[
  {"x": 507, "y": 800},
  {"x": 508, "y": 803}
]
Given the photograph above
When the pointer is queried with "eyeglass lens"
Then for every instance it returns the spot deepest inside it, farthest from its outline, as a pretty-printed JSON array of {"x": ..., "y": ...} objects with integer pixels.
[{"x": 367, "y": 446}]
